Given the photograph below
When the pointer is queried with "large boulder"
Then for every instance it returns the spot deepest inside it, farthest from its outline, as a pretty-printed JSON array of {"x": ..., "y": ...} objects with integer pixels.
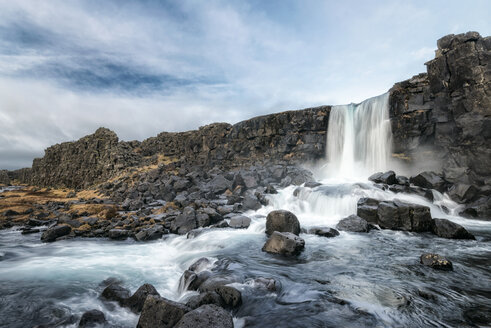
[
  {"x": 116, "y": 293},
  {"x": 219, "y": 184},
  {"x": 161, "y": 312},
  {"x": 367, "y": 209},
  {"x": 240, "y": 222},
  {"x": 430, "y": 180},
  {"x": 206, "y": 316},
  {"x": 137, "y": 300},
  {"x": 324, "y": 232},
  {"x": 447, "y": 229},
  {"x": 185, "y": 222},
  {"x": 150, "y": 234},
  {"x": 282, "y": 221},
  {"x": 353, "y": 223},
  {"x": 436, "y": 261},
  {"x": 204, "y": 298},
  {"x": 397, "y": 215},
  {"x": 92, "y": 318},
  {"x": 118, "y": 234},
  {"x": 388, "y": 177},
  {"x": 284, "y": 243},
  {"x": 231, "y": 296},
  {"x": 55, "y": 232}
]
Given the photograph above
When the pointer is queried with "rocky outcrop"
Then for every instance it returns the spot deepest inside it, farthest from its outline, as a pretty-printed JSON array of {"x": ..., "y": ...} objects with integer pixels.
[
  {"x": 294, "y": 135},
  {"x": 444, "y": 115},
  {"x": 4, "y": 177},
  {"x": 79, "y": 164}
]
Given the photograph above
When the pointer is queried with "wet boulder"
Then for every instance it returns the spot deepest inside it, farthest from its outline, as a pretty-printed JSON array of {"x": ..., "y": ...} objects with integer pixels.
[
  {"x": 206, "y": 316},
  {"x": 205, "y": 298},
  {"x": 430, "y": 180},
  {"x": 136, "y": 301},
  {"x": 118, "y": 234},
  {"x": 92, "y": 318},
  {"x": 436, "y": 261},
  {"x": 55, "y": 232},
  {"x": 463, "y": 192},
  {"x": 150, "y": 234},
  {"x": 282, "y": 221},
  {"x": 312, "y": 184},
  {"x": 388, "y": 177},
  {"x": 367, "y": 209},
  {"x": 200, "y": 265},
  {"x": 231, "y": 296},
  {"x": 353, "y": 223},
  {"x": 397, "y": 215},
  {"x": 116, "y": 293},
  {"x": 324, "y": 232},
  {"x": 161, "y": 312},
  {"x": 184, "y": 222},
  {"x": 447, "y": 229},
  {"x": 251, "y": 202},
  {"x": 240, "y": 222},
  {"x": 284, "y": 243},
  {"x": 265, "y": 283}
]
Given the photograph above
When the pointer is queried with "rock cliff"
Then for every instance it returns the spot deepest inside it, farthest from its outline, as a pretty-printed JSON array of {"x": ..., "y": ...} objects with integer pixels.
[
  {"x": 293, "y": 135},
  {"x": 448, "y": 110}
]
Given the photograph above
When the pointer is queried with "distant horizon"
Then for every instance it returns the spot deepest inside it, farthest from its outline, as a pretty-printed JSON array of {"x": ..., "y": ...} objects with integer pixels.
[{"x": 143, "y": 67}]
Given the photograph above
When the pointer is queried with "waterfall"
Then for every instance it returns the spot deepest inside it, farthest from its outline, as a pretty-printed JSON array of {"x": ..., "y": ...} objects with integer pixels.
[{"x": 359, "y": 138}]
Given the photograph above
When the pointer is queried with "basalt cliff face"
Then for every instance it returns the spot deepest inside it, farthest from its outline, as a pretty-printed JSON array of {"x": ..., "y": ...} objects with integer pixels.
[
  {"x": 293, "y": 136},
  {"x": 442, "y": 115},
  {"x": 447, "y": 111}
]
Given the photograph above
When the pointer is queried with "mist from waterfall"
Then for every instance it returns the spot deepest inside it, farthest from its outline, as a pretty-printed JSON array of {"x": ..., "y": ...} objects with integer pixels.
[{"x": 359, "y": 138}]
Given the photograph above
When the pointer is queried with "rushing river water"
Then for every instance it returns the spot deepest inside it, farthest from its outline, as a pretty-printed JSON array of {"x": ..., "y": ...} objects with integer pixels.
[{"x": 354, "y": 280}]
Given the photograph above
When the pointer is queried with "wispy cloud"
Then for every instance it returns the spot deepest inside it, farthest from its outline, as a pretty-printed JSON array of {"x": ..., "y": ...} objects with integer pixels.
[{"x": 142, "y": 67}]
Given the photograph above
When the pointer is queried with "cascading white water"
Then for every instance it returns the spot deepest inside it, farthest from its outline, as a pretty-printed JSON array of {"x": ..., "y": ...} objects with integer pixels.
[{"x": 359, "y": 138}]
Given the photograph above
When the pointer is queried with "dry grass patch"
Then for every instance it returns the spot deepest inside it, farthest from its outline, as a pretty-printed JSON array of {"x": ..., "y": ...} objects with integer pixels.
[{"x": 102, "y": 211}]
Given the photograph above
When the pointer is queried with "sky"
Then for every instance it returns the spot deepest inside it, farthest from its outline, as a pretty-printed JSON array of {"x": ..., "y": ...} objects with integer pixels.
[{"x": 143, "y": 67}]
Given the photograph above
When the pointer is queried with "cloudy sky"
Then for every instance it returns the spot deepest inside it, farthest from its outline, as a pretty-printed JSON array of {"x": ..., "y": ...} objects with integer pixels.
[{"x": 142, "y": 67}]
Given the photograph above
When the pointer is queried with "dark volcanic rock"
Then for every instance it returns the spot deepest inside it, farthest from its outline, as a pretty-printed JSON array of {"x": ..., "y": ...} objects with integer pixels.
[
  {"x": 231, "y": 296},
  {"x": 115, "y": 292},
  {"x": 284, "y": 243},
  {"x": 160, "y": 312},
  {"x": 353, "y": 223},
  {"x": 448, "y": 229},
  {"x": 205, "y": 298},
  {"x": 282, "y": 221},
  {"x": 324, "y": 232},
  {"x": 430, "y": 180},
  {"x": 118, "y": 234},
  {"x": 92, "y": 318},
  {"x": 55, "y": 232},
  {"x": 446, "y": 112},
  {"x": 149, "y": 234},
  {"x": 240, "y": 222},
  {"x": 367, "y": 209},
  {"x": 185, "y": 222},
  {"x": 206, "y": 316},
  {"x": 436, "y": 261},
  {"x": 136, "y": 301},
  {"x": 388, "y": 177},
  {"x": 397, "y": 215}
]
